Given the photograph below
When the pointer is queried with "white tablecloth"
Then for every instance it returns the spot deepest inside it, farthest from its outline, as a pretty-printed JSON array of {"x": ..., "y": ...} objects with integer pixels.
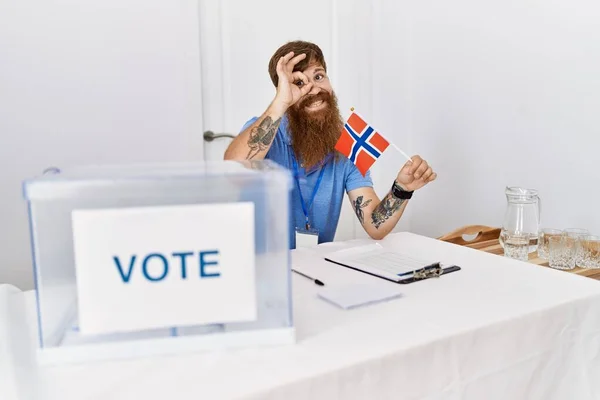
[{"x": 498, "y": 329}]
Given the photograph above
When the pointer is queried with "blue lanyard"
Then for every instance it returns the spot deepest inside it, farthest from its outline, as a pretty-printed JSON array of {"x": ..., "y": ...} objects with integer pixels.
[{"x": 306, "y": 207}]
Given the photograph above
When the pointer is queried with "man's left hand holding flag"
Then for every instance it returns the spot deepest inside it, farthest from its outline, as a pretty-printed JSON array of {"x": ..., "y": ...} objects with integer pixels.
[{"x": 415, "y": 174}]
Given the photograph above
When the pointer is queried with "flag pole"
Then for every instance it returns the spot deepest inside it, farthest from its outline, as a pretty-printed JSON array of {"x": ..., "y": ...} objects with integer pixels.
[
  {"x": 393, "y": 145},
  {"x": 401, "y": 152}
]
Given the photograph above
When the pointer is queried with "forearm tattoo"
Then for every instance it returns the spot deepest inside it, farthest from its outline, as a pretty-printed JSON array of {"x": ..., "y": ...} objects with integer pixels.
[
  {"x": 262, "y": 136},
  {"x": 358, "y": 205},
  {"x": 385, "y": 209}
]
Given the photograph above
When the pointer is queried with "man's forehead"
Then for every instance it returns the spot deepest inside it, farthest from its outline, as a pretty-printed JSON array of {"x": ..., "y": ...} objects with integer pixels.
[{"x": 313, "y": 66}]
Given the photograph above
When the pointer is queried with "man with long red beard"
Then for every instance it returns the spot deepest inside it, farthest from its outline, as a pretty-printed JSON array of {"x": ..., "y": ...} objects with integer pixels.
[{"x": 299, "y": 131}]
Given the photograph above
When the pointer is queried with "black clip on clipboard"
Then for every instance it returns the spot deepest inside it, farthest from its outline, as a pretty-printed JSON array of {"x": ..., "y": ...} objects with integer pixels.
[{"x": 434, "y": 270}]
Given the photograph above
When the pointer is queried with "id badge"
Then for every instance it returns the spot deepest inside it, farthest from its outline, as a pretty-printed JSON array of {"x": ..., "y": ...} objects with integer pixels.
[{"x": 306, "y": 237}]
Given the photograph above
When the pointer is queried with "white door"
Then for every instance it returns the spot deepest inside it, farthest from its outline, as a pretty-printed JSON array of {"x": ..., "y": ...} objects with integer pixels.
[{"x": 237, "y": 39}]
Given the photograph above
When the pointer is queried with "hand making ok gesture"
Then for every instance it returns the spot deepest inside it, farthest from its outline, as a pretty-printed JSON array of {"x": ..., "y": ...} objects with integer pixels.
[{"x": 292, "y": 86}]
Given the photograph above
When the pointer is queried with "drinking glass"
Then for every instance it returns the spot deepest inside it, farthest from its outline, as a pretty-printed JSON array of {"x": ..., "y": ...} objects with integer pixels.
[
  {"x": 516, "y": 245},
  {"x": 577, "y": 234},
  {"x": 590, "y": 250},
  {"x": 545, "y": 234},
  {"x": 561, "y": 252}
]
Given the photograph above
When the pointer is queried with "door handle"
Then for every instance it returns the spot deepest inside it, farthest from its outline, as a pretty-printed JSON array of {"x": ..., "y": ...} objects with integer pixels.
[{"x": 209, "y": 136}]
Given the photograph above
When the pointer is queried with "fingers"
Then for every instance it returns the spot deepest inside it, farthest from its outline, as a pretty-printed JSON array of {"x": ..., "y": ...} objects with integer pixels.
[
  {"x": 285, "y": 67},
  {"x": 287, "y": 57},
  {"x": 290, "y": 64},
  {"x": 414, "y": 165},
  {"x": 299, "y": 79},
  {"x": 306, "y": 89},
  {"x": 302, "y": 82},
  {"x": 417, "y": 173},
  {"x": 427, "y": 174},
  {"x": 421, "y": 170},
  {"x": 406, "y": 168},
  {"x": 279, "y": 69},
  {"x": 284, "y": 64}
]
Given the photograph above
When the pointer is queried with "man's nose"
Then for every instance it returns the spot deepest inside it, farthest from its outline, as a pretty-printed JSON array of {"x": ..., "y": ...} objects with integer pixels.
[{"x": 315, "y": 89}]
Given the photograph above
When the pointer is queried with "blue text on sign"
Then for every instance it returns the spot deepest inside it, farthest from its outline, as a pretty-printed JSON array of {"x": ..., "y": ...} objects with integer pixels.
[{"x": 156, "y": 266}]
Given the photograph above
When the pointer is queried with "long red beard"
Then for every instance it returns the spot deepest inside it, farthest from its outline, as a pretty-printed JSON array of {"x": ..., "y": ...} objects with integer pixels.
[{"x": 314, "y": 134}]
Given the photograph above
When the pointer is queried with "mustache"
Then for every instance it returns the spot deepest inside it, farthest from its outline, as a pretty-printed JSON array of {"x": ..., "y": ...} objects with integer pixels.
[{"x": 308, "y": 99}]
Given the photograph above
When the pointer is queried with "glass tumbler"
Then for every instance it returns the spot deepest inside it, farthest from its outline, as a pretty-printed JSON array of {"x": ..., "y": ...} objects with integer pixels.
[
  {"x": 545, "y": 234},
  {"x": 590, "y": 252},
  {"x": 561, "y": 252},
  {"x": 577, "y": 234}
]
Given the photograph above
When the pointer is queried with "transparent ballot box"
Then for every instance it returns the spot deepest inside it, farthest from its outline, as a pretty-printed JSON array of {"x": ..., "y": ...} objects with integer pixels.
[{"x": 156, "y": 259}]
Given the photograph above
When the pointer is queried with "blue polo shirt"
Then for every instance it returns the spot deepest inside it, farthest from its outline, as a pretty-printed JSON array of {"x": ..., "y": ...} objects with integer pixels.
[{"x": 339, "y": 177}]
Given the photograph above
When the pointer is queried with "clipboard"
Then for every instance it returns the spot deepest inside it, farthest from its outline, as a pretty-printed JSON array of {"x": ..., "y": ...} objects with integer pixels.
[{"x": 396, "y": 267}]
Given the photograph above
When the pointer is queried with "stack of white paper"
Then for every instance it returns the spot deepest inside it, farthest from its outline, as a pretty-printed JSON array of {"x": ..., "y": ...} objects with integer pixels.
[{"x": 351, "y": 296}]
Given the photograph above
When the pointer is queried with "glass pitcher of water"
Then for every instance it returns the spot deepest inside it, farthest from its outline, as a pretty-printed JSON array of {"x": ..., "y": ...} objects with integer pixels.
[{"x": 522, "y": 215}]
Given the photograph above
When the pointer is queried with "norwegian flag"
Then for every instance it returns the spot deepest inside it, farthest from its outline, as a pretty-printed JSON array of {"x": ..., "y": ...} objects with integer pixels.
[{"x": 361, "y": 143}]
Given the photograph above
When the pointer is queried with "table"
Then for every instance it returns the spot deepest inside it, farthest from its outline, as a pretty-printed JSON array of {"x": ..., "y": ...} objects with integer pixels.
[
  {"x": 497, "y": 329},
  {"x": 494, "y": 247}
]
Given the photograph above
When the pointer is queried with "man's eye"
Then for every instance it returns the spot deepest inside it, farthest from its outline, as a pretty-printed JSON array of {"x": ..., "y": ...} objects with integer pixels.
[
  {"x": 319, "y": 77},
  {"x": 299, "y": 83}
]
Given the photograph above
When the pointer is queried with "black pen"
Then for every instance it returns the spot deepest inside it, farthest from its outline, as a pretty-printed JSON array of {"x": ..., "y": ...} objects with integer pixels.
[{"x": 318, "y": 282}]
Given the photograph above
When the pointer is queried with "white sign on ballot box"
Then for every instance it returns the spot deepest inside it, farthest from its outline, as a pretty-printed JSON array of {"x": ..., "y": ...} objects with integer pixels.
[{"x": 164, "y": 266}]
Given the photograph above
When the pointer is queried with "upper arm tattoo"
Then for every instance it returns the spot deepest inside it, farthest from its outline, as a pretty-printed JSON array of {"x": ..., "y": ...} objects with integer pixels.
[
  {"x": 358, "y": 205},
  {"x": 385, "y": 209},
  {"x": 261, "y": 136}
]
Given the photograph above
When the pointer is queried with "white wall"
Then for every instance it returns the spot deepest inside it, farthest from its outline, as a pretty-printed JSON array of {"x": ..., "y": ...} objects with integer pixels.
[
  {"x": 499, "y": 93},
  {"x": 82, "y": 82},
  {"x": 390, "y": 87}
]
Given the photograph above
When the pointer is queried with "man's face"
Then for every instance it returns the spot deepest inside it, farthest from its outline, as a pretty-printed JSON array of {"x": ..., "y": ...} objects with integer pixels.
[{"x": 321, "y": 95}]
